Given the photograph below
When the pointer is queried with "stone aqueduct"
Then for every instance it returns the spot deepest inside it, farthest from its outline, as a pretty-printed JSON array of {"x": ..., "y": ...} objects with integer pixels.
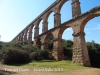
[{"x": 77, "y": 23}]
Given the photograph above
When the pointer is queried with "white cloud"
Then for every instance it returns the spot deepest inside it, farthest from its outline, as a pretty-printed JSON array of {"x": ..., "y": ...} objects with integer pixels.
[{"x": 96, "y": 27}]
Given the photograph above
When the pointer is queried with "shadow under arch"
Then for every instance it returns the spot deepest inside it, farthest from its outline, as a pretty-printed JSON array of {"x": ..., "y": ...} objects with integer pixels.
[
  {"x": 93, "y": 54},
  {"x": 38, "y": 43},
  {"x": 49, "y": 41}
]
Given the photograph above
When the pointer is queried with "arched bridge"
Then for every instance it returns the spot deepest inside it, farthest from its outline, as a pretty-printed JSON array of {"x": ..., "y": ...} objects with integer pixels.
[{"x": 77, "y": 23}]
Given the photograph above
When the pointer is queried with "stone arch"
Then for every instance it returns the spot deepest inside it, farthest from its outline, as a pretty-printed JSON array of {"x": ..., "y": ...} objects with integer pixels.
[
  {"x": 48, "y": 14},
  {"x": 37, "y": 26},
  {"x": 31, "y": 27},
  {"x": 26, "y": 31},
  {"x": 60, "y": 34},
  {"x": 38, "y": 22},
  {"x": 22, "y": 36},
  {"x": 25, "y": 34},
  {"x": 51, "y": 37},
  {"x": 60, "y": 5},
  {"x": 87, "y": 19},
  {"x": 28, "y": 34},
  {"x": 38, "y": 42},
  {"x": 48, "y": 35},
  {"x": 48, "y": 19},
  {"x": 62, "y": 30},
  {"x": 82, "y": 29},
  {"x": 31, "y": 34},
  {"x": 18, "y": 38}
]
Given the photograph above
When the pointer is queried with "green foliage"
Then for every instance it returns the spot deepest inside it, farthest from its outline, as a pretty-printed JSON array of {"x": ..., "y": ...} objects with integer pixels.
[
  {"x": 20, "y": 52},
  {"x": 93, "y": 46},
  {"x": 67, "y": 47},
  {"x": 33, "y": 56},
  {"x": 40, "y": 55},
  {"x": 29, "y": 48},
  {"x": 50, "y": 45},
  {"x": 93, "y": 49},
  {"x": 67, "y": 44},
  {"x": 15, "y": 56},
  {"x": 94, "y": 53},
  {"x": 46, "y": 54},
  {"x": 2, "y": 44}
]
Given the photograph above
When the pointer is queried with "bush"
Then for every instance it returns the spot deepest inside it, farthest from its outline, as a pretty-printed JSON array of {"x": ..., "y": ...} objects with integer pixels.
[
  {"x": 40, "y": 55},
  {"x": 0, "y": 55},
  {"x": 94, "y": 58},
  {"x": 15, "y": 56},
  {"x": 46, "y": 54},
  {"x": 68, "y": 54},
  {"x": 30, "y": 48},
  {"x": 34, "y": 56},
  {"x": 94, "y": 53}
]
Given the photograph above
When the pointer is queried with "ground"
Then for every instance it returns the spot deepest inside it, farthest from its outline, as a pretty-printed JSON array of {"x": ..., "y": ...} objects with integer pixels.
[{"x": 87, "y": 71}]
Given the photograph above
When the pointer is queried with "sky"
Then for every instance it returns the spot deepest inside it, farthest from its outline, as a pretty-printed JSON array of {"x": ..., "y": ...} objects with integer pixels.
[{"x": 15, "y": 15}]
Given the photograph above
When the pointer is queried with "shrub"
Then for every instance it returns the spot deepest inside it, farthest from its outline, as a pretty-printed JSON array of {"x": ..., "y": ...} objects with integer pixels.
[
  {"x": 15, "y": 56},
  {"x": 40, "y": 55},
  {"x": 94, "y": 58},
  {"x": 2, "y": 44},
  {"x": 68, "y": 54},
  {"x": 30, "y": 48},
  {"x": 46, "y": 54},
  {"x": 0, "y": 55},
  {"x": 34, "y": 56}
]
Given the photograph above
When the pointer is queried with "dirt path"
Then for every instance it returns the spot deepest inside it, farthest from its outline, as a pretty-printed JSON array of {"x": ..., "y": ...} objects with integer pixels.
[{"x": 5, "y": 70}]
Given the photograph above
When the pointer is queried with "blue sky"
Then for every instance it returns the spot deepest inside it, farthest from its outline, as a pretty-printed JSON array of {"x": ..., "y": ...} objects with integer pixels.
[{"x": 15, "y": 15}]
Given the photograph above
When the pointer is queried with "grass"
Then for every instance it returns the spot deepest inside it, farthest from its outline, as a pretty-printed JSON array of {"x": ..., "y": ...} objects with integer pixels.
[{"x": 65, "y": 65}]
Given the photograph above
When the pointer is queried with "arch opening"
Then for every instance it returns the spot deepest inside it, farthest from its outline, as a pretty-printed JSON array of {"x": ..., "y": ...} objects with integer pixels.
[
  {"x": 32, "y": 29},
  {"x": 40, "y": 26},
  {"x": 67, "y": 42},
  {"x": 22, "y": 36},
  {"x": 38, "y": 43},
  {"x": 49, "y": 41},
  {"x": 91, "y": 27},
  {"x": 27, "y": 34},
  {"x": 18, "y": 38},
  {"x": 51, "y": 20},
  {"x": 65, "y": 9}
]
